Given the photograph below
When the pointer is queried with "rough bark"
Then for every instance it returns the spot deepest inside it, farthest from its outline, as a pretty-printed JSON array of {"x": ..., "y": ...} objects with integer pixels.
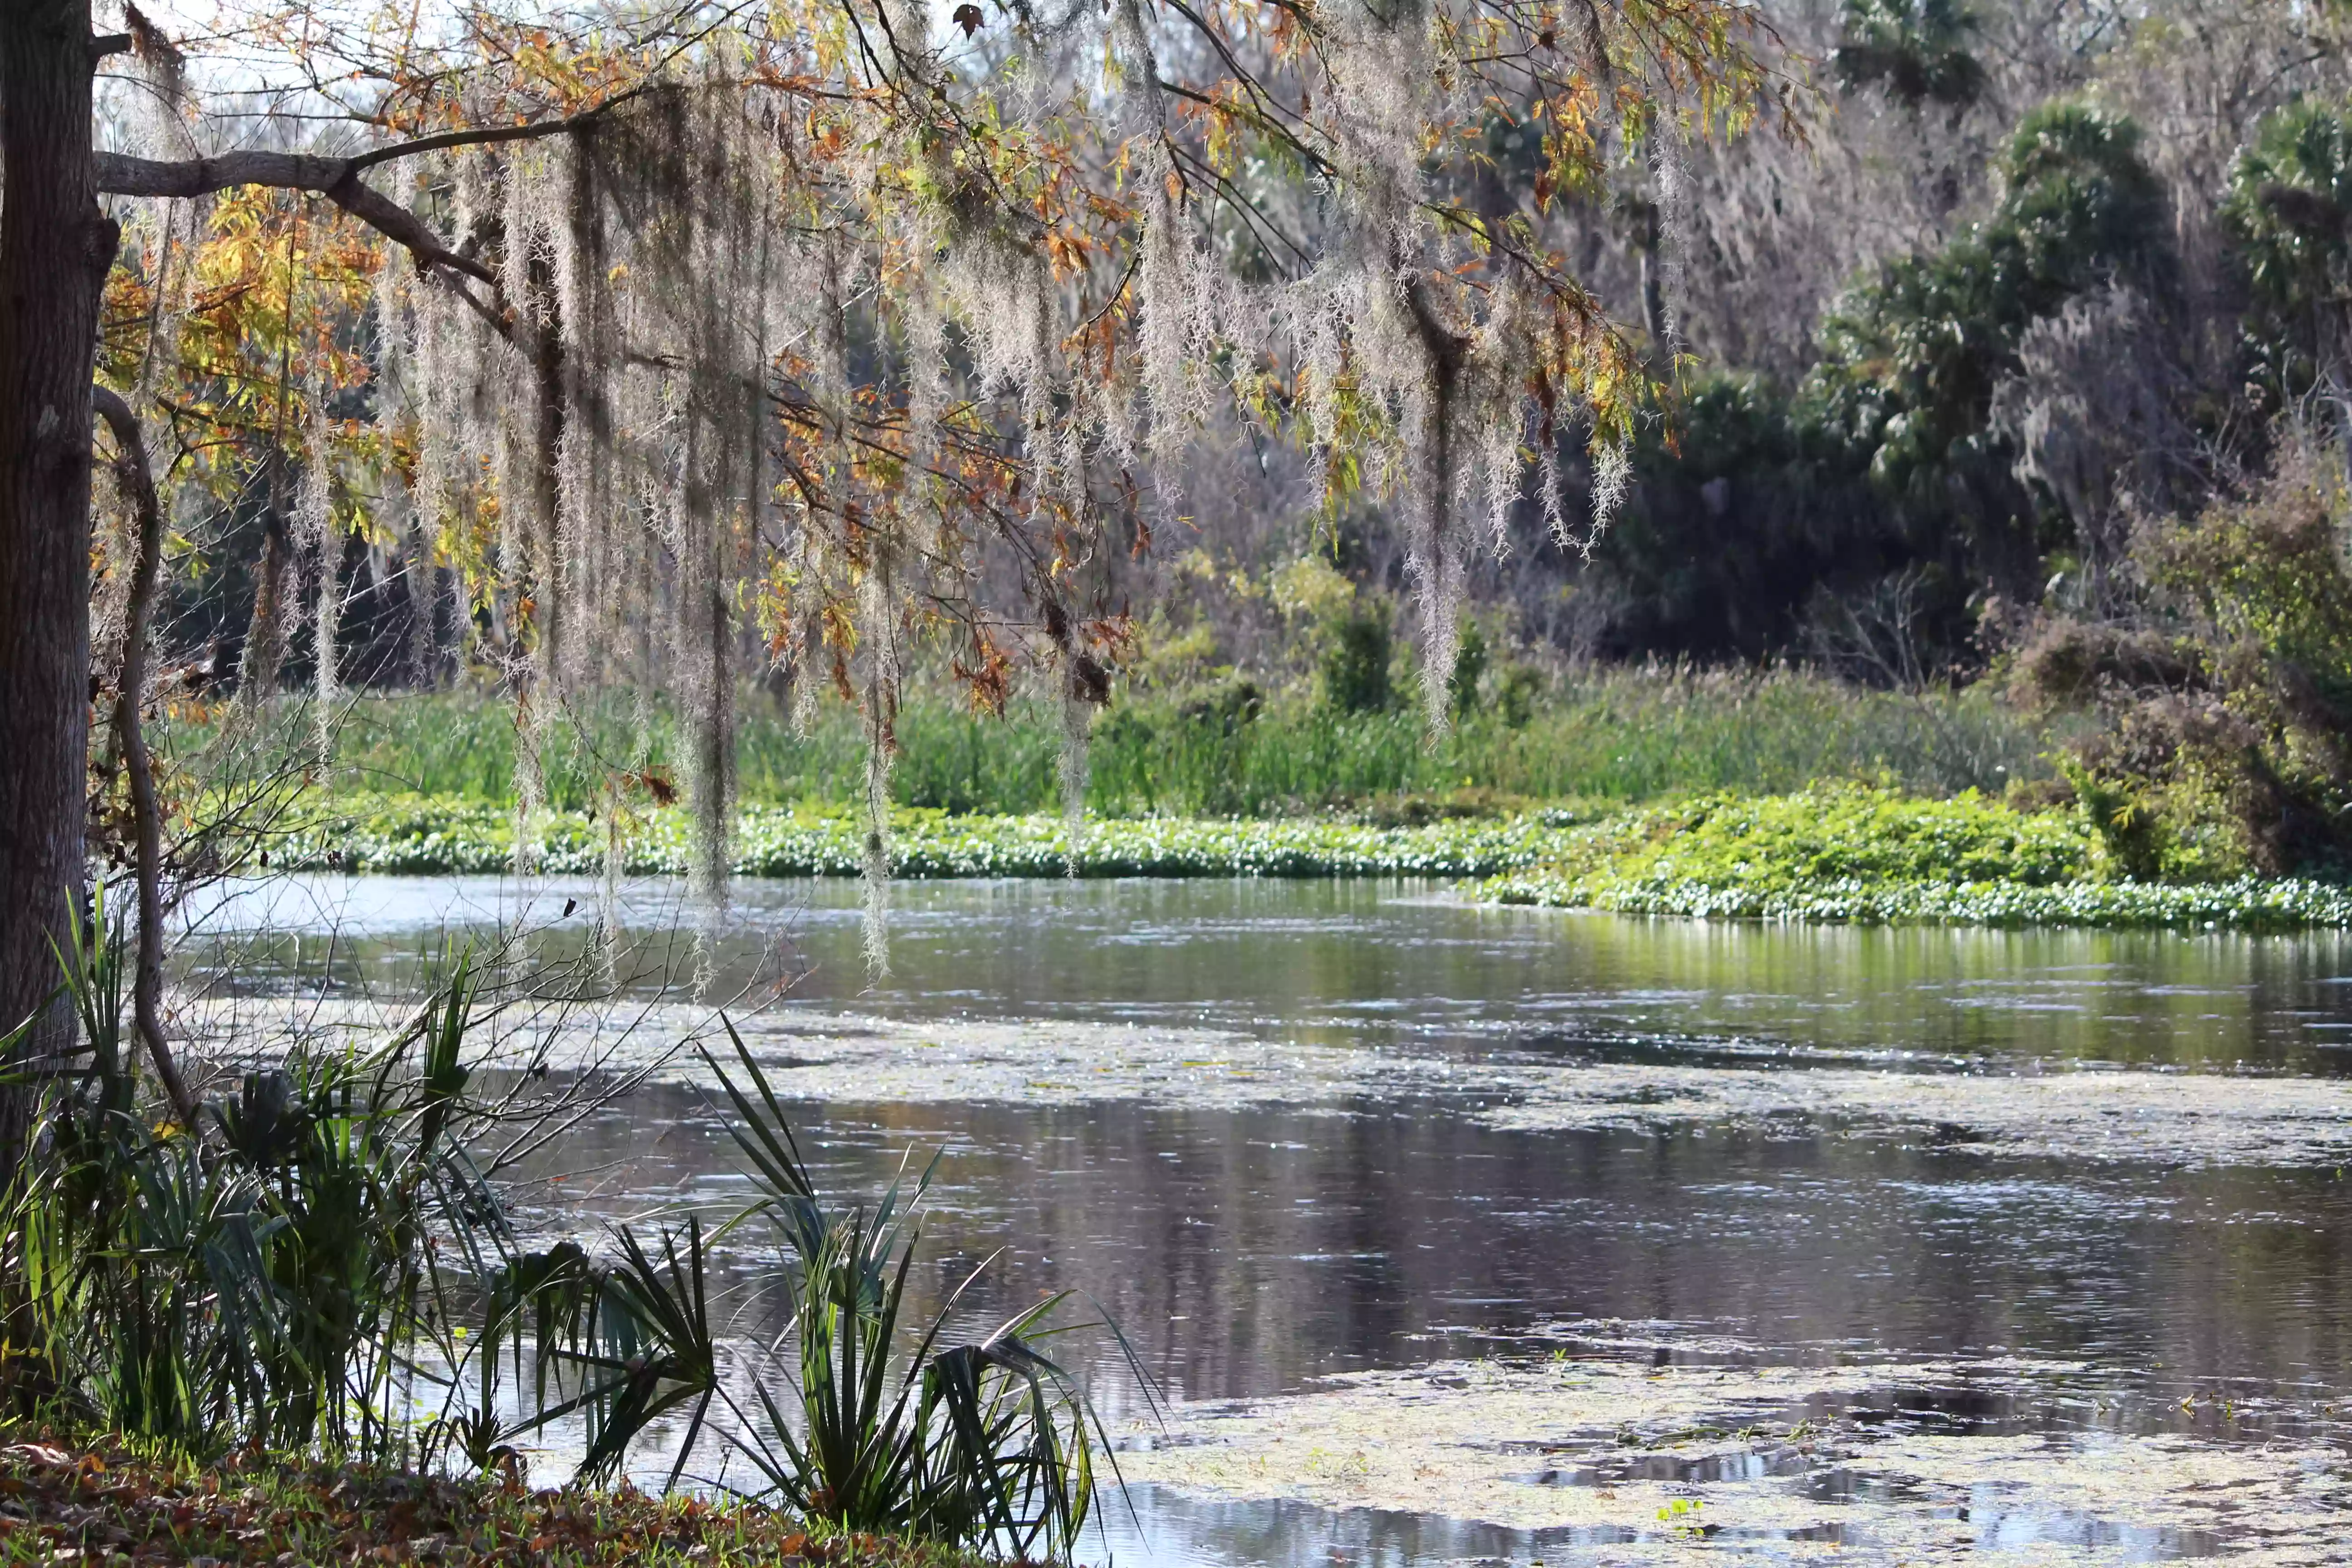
[
  {"x": 54, "y": 248},
  {"x": 147, "y": 817}
]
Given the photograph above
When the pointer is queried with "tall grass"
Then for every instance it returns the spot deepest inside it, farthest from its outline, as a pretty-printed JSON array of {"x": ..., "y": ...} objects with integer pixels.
[{"x": 1611, "y": 735}]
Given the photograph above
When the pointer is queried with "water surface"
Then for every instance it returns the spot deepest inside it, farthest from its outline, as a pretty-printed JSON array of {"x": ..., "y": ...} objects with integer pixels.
[{"x": 1251, "y": 1250}]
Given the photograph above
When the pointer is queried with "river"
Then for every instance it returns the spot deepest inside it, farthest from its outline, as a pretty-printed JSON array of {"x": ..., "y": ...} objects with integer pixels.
[{"x": 1455, "y": 1232}]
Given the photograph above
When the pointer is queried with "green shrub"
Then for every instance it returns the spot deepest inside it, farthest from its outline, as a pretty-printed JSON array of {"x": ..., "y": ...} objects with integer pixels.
[
  {"x": 2222, "y": 699},
  {"x": 1470, "y": 660},
  {"x": 1356, "y": 665},
  {"x": 1516, "y": 693}
]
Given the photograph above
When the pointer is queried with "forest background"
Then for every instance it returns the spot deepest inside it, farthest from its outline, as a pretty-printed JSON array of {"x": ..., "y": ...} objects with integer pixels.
[{"x": 2003, "y": 414}]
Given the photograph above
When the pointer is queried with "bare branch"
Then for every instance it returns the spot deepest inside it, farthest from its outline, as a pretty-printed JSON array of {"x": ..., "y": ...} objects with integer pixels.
[
  {"x": 446, "y": 139},
  {"x": 147, "y": 986}
]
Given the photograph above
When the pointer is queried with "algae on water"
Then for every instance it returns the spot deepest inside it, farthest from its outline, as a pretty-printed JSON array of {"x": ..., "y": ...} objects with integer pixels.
[
  {"x": 2137, "y": 1115},
  {"x": 1992, "y": 1460}
]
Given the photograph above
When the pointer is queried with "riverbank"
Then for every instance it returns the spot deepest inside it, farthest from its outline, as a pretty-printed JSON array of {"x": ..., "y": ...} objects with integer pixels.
[
  {"x": 1836, "y": 853},
  {"x": 109, "y": 1500}
]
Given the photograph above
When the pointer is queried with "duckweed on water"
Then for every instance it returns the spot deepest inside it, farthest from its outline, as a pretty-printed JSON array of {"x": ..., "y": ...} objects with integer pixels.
[
  {"x": 1847, "y": 853},
  {"x": 412, "y": 835},
  {"x": 1776, "y": 1457}
]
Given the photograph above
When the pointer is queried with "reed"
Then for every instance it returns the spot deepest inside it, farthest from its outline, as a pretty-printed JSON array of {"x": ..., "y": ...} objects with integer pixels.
[{"x": 1618, "y": 735}]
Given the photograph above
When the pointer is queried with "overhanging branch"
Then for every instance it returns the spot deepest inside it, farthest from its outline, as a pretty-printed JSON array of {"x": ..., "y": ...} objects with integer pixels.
[{"x": 337, "y": 179}]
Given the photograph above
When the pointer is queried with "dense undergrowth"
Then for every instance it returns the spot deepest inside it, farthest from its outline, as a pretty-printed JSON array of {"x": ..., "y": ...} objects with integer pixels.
[
  {"x": 2216, "y": 684},
  {"x": 1851, "y": 852}
]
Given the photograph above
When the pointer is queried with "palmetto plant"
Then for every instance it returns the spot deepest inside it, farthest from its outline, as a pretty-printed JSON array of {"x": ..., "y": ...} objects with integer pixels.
[
  {"x": 323, "y": 1268},
  {"x": 272, "y": 1278},
  {"x": 851, "y": 1415},
  {"x": 989, "y": 1444}
]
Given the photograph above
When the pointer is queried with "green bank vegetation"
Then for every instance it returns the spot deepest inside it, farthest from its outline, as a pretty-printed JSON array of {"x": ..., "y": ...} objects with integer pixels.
[
  {"x": 1224, "y": 746},
  {"x": 1837, "y": 852},
  {"x": 2180, "y": 735}
]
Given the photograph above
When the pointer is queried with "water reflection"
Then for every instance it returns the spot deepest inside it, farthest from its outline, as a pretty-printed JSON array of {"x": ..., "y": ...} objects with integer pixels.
[
  {"x": 1248, "y": 1252},
  {"x": 1345, "y": 962},
  {"x": 1172, "y": 1528}
]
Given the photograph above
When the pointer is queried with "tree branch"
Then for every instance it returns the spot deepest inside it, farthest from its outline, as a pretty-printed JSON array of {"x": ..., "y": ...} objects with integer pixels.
[
  {"x": 147, "y": 987},
  {"x": 442, "y": 141},
  {"x": 337, "y": 179}
]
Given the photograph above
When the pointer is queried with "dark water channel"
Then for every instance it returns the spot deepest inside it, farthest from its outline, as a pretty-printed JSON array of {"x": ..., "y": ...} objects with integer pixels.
[{"x": 1249, "y": 1251}]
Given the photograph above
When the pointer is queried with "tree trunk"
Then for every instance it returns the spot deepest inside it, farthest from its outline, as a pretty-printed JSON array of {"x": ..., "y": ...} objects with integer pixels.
[{"x": 54, "y": 248}]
